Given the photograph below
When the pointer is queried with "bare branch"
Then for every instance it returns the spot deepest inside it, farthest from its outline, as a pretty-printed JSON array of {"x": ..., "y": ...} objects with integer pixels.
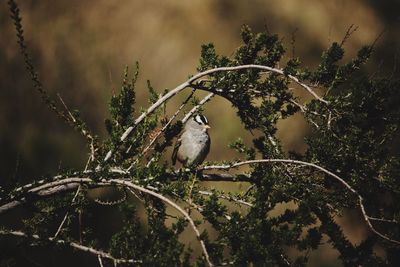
[
  {"x": 100, "y": 261},
  {"x": 371, "y": 227},
  {"x": 55, "y": 187}
]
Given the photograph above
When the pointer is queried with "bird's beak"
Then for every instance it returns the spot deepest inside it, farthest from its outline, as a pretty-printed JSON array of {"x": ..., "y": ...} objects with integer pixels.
[{"x": 207, "y": 126}]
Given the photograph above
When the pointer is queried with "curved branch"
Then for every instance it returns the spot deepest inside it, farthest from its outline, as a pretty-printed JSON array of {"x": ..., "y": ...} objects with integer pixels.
[
  {"x": 187, "y": 83},
  {"x": 298, "y": 162},
  {"x": 43, "y": 189},
  {"x": 122, "y": 183},
  {"x": 173, "y": 204},
  {"x": 47, "y": 192},
  {"x": 72, "y": 183}
]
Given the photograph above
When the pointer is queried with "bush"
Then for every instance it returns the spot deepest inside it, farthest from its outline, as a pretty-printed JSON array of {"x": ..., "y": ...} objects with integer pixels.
[{"x": 349, "y": 164}]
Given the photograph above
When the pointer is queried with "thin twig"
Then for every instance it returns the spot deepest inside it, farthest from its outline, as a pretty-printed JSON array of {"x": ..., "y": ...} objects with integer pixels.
[
  {"x": 349, "y": 32},
  {"x": 168, "y": 123},
  {"x": 195, "y": 108},
  {"x": 81, "y": 129},
  {"x": 230, "y": 198},
  {"x": 100, "y": 261},
  {"x": 383, "y": 220},
  {"x": 371, "y": 227},
  {"x": 112, "y": 202},
  {"x": 66, "y": 214},
  {"x": 190, "y": 194}
]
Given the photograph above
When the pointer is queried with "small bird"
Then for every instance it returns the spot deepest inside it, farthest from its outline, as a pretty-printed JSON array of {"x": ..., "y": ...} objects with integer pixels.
[{"x": 193, "y": 145}]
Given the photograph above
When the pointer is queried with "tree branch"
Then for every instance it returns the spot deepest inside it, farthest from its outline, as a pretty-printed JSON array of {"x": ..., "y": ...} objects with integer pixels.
[
  {"x": 74, "y": 245},
  {"x": 132, "y": 186},
  {"x": 49, "y": 188},
  {"x": 167, "y": 124},
  {"x": 46, "y": 189},
  {"x": 195, "y": 108},
  {"x": 187, "y": 83},
  {"x": 173, "y": 204},
  {"x": 337, "y": 178}
]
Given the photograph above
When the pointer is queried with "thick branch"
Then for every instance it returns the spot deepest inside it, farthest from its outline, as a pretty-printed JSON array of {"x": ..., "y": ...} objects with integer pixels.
[{"x": 52, "y": 188}]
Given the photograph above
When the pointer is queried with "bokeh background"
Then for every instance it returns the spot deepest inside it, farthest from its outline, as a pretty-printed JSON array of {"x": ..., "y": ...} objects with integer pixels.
[{"x": 80, "y": 49}]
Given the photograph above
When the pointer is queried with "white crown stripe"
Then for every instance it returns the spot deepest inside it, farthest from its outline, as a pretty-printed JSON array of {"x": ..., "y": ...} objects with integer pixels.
[{"x": 200, "y": 119}]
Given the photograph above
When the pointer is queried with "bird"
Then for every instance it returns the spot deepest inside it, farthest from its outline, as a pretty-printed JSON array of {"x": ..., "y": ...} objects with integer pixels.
[{"x": 193, "y": 144}]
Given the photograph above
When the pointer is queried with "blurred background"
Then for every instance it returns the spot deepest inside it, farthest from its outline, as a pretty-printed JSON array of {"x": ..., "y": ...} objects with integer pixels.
[{"x": 80, "y": 49}]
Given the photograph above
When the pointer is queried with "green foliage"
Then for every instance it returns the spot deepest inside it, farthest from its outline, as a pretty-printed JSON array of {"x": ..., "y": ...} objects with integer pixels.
[
  {"x": 156, "y": 245},
  {"x": 352, "y": 135}
]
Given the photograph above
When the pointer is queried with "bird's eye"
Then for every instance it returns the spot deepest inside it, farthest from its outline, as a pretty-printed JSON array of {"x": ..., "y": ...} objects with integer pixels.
[{"x": 200, "y": 119}]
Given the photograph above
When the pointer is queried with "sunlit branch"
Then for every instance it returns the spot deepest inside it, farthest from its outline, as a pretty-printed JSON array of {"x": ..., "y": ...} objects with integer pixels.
[{"x": 189, "y": 82}]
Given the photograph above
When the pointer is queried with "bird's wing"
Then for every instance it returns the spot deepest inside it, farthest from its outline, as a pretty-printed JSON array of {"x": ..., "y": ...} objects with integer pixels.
[
  {"x": 175, "y": 152},
  {"x": 208, "y": 145}
]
